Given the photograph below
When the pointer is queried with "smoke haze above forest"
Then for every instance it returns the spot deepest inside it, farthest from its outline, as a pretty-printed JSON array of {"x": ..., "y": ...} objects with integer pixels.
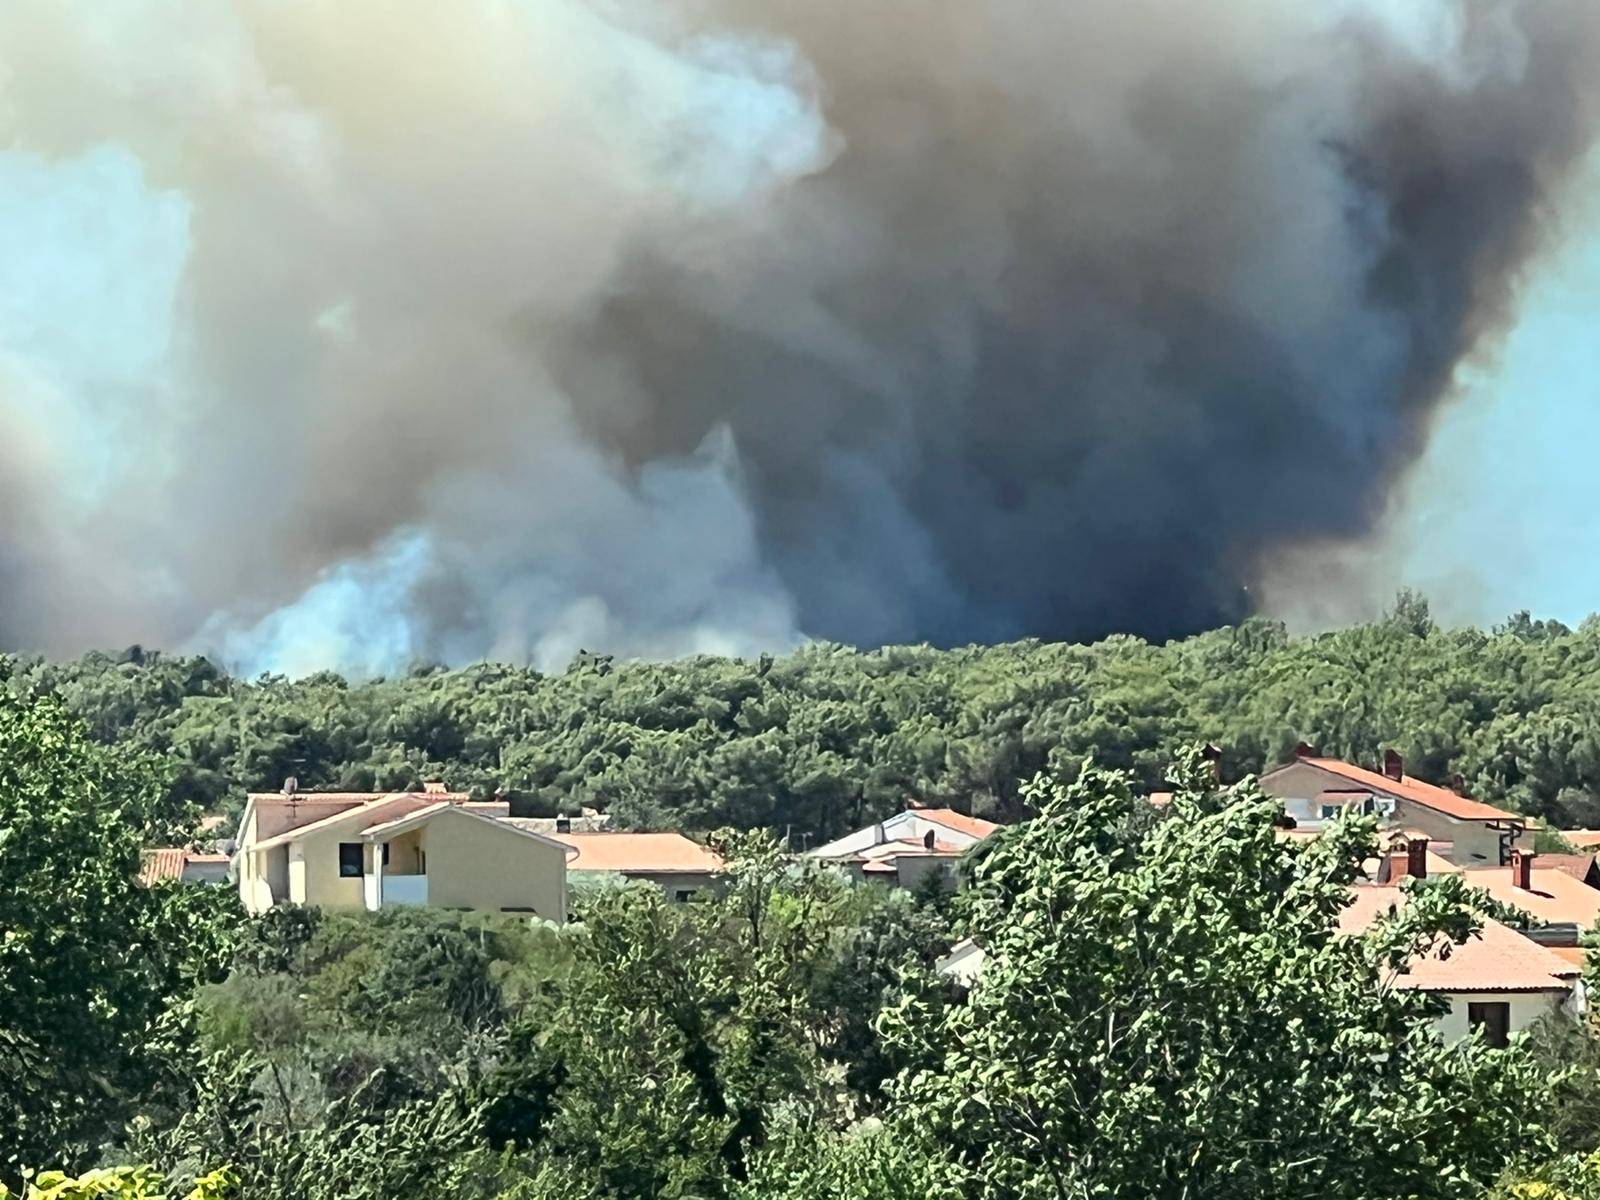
[{"x": 343, "y": 335}]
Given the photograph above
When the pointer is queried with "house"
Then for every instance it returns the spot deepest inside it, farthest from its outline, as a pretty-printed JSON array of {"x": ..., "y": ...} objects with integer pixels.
[
  {"x": 372, "y": 850},
  {"x": 1582, "y": 839},
  {"x": 1315, "y": 790},
  {"x": 905, "y": 849},
  {"x": 1497, "y": 980},
  {"x": 682, "y": 868},
  {"x": 182, "y": 864}
]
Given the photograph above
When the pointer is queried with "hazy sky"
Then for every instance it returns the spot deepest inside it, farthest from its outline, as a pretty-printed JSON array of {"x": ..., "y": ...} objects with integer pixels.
[{"x": 1502, "y": 511}]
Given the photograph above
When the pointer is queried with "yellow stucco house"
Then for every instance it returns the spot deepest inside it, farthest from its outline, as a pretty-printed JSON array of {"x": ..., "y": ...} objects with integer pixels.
[{"x": 363, "y": 850}]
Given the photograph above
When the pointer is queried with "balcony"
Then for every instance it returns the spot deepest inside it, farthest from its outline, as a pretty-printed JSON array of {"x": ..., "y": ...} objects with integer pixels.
[
  {"x": 405, "y": 889},
  {"x": 383, "y": 891}
]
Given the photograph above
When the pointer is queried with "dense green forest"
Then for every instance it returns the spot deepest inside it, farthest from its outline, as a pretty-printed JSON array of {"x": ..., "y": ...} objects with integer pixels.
[
  {"x": 1168, "y": 1011},
  {"x": 822, "y": 739}
]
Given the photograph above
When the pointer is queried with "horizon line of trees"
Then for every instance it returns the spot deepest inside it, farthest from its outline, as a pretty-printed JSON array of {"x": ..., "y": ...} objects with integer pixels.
[{"x": 828, "y": 738}]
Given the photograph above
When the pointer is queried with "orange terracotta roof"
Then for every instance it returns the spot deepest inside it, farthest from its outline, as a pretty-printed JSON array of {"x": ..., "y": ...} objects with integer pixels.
[
  {"x": 163, "y": 863},
  {"x": 1408, "y": 788},
  {"x": 637, "y": 853},
  {"x": 167, "y": 862},
  {"x": 1583, "y": 839},
  {"x": 960, "y": 822},
  {"x": 1573, "y": 955},
  {"x": 1495, "y": 959},
  {"x": 1576, "y": 865},
  {"x": 1554, "y": 898},
  {"x": 1160, "y": 799}
]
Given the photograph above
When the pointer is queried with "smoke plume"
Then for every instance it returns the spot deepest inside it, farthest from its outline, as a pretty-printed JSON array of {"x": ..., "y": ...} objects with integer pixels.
[{"x": 346, "y": 333}]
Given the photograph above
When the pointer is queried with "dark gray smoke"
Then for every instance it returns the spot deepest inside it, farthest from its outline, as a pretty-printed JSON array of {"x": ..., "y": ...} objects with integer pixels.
[{"x": 507, "y": 328}]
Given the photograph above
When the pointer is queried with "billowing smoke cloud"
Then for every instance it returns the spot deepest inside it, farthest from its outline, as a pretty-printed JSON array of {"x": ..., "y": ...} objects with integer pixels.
[{"x": 347, "y": 333}]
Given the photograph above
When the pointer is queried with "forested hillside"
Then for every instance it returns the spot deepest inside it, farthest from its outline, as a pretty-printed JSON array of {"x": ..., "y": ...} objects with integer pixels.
[{"x": 826, "y": 737}]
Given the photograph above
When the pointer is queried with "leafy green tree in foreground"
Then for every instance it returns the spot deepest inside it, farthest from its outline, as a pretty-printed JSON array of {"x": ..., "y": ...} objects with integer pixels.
[
  {"x": 1175, "y": 1014},
  {"x": 89, "y": 960}
]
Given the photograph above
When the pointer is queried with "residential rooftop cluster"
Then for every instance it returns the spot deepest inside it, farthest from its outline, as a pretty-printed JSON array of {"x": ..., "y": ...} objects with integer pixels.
[{"x": 435, "y": 847}]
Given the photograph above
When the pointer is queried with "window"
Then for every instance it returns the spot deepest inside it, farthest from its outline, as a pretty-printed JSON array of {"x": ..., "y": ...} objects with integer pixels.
[
  {"x": 1494, "y": 1019},
  {"x": 1330, "y": 811},
  {"x": 386, "y": 854},
  {"x": 350, "y": 860},
  {"x": 684, "y": 895}
]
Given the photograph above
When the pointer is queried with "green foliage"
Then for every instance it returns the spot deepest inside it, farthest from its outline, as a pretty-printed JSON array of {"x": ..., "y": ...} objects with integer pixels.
[
  {"x": 1180, "y": 1015},
  {"x": 828, "y": 738},
  {"x": 89, "y": 961},
  {"x": 119, "y": 1183},
  {"x": 1569, "y": 1177},
  {"x": 685, "y": 1029}
]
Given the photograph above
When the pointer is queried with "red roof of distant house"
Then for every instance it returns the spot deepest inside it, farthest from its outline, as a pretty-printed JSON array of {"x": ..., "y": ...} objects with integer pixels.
[
  {"x": 1576, "y": 865},
  {"x": 167, "y": 862},
  {"x": 1495, "y": 959},
  {"x": 959, "y": 821},
  {"x": 1582, "y": 839},
  {"x": 1408, "y": 788},
  {"x": 1555, "y": 897},
  {"x": 638, "y": 853}
]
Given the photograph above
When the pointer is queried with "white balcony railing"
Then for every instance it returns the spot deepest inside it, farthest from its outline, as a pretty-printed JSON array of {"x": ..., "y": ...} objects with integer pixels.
[{"x": 405, "y": 889}]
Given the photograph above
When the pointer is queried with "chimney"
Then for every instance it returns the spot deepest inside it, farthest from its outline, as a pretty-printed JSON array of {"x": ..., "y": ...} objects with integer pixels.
[
  {"x": 1393, "y": 765},
  {"x": 563, "y": 824},
  {"x": 1417, "y": 857},
  {"x": 1305, "y": 750},
  {"x": 1522, "y": 868},
  {"x": 1458, "y": 784},
  {"x": 290, "y": 786}
]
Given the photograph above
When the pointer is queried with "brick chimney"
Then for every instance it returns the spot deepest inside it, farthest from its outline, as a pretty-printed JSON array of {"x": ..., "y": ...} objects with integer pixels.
[
  {"x": 1417, "y": 857},
  {"x": 1305, "y": 750},
  {"x": 1393, "y": 765},
  {"x": 1522, "y": 868}
]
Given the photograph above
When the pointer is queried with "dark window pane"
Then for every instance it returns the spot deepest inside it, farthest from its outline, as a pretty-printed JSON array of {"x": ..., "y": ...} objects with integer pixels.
[
  {"x": 1494, "y": 1019},
  {"x": 350, "y": 860}
]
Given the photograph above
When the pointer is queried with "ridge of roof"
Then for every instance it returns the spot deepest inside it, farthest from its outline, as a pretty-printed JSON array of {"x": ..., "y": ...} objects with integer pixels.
[
  {"x": 422, "y": 816},
  {"x": 1408, "y": 787},
  {"x": 332, "y": 819},
  {"x": 959, "y": 821}
]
